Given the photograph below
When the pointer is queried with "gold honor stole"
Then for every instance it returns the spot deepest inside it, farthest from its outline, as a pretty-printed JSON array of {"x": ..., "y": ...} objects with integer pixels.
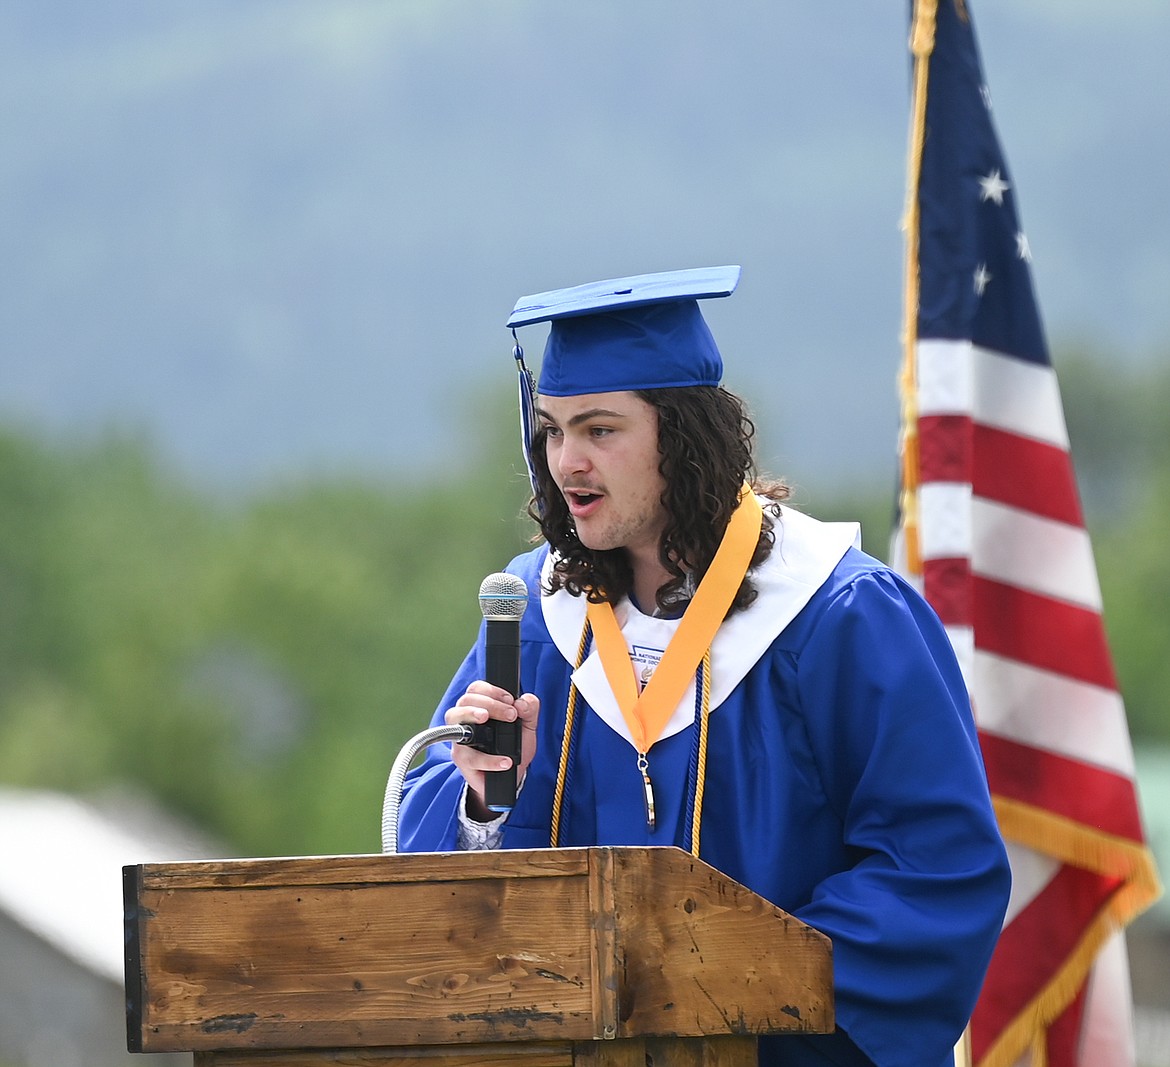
[
  {"x": 804, "y": 555},
  {"x": 647, "y": 714}
]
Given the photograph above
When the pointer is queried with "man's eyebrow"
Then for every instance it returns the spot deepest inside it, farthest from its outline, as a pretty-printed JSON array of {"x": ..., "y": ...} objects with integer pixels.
[{"x": 584, "y": 416}]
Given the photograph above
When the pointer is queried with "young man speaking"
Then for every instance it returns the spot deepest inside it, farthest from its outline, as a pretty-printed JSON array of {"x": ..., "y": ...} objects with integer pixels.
[{"x": 706, "y": 667}]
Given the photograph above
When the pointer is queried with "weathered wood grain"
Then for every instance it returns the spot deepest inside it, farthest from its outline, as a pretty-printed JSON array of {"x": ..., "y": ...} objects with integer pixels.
[{"x": 471, "y": 949}]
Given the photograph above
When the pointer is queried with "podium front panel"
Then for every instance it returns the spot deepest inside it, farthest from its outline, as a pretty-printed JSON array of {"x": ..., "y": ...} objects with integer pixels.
[{"x": 564, "y": 945}]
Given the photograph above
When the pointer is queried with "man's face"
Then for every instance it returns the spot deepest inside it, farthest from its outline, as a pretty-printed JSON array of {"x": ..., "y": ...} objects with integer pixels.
[{"x": 602, "y": 451}]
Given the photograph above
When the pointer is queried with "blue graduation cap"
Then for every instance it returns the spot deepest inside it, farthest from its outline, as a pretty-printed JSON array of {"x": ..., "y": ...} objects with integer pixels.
[
  {"x": 644, "y": 332},
  {"x": 641, "y": 332}
]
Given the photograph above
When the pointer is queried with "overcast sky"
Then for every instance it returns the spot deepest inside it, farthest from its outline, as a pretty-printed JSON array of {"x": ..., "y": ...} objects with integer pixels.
[{"x": 280, "y": 236}]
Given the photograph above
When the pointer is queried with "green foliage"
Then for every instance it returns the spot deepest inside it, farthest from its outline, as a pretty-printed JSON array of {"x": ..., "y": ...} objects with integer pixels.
[
  {"x": 1119, "y": 425},
  {"x": 1118, "y": 419},
  {"x": 258, "y": 664},
  {"x": 1135, "y": 585}
]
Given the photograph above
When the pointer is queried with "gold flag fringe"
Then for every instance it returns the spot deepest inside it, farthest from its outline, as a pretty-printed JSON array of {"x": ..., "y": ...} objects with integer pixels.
[{"x": 1092, "y": 850}]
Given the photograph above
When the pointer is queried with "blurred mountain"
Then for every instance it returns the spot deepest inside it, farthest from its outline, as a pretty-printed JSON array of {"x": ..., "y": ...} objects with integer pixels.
[{"x": 282, "y": 237}]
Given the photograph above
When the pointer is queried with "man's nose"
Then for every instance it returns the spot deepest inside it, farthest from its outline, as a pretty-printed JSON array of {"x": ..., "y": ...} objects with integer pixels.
[{"x": 572, "y": 458}]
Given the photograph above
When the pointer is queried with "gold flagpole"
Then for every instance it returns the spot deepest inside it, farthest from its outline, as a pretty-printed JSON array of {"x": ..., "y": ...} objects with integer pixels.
[{"x": 921, "y": 47}]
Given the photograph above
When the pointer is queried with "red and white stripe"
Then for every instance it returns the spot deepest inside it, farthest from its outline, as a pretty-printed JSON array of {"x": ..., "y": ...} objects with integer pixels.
[{"x": 1008, "y": 565}]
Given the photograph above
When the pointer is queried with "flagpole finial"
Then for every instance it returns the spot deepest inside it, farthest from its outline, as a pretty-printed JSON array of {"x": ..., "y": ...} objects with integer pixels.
[{"x": 922, "y": 32}]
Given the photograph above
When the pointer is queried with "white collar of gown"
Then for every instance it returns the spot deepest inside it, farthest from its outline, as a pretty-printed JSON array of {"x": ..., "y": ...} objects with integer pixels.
[{"x": 805, "y": 553}]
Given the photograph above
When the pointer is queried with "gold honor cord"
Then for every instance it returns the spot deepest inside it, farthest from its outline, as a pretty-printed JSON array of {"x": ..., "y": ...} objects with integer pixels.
[
  {"x": 567, "y": 744},
  {"x": 701, "y": 761},
  {"x": 647, "y": 714}
]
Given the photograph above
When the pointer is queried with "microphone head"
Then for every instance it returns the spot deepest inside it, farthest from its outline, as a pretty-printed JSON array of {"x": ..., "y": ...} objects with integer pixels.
[{"x": 503, "y": 597}]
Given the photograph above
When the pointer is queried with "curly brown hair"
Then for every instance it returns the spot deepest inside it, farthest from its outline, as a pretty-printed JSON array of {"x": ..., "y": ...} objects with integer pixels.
[{"x": 705, "y": 443}]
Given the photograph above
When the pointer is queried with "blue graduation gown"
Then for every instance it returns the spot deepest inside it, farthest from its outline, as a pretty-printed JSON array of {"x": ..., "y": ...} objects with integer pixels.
[{"x": 844, "y": 783}]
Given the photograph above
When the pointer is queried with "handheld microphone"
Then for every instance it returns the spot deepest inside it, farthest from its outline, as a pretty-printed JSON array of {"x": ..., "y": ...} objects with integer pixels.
[{"x": 502, "y": 599}]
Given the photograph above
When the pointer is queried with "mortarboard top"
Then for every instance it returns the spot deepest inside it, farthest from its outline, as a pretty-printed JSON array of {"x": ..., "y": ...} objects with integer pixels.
[
  {"x": 594, "y": 297},
  {"x": 641, "y": 332}
]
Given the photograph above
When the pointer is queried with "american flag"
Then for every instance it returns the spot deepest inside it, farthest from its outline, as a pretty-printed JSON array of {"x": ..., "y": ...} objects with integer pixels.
[{"x": 991, "y": 527}]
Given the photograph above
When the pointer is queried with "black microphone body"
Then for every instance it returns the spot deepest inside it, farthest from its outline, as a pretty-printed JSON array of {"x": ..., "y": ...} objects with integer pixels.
[
  {"x": 502, "y": 650},
  {"x": 502, "y": 599}
]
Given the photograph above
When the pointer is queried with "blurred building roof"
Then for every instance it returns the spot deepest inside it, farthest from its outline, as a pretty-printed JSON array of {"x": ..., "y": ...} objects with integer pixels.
[{"x": 61, "y": 875}]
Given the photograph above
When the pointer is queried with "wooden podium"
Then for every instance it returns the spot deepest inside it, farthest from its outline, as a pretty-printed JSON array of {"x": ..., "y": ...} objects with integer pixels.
[{"x": 607, "y": 957}]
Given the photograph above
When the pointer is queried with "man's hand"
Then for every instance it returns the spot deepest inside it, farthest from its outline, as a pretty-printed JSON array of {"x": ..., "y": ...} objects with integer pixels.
[{"x": 478, "y": 704}]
